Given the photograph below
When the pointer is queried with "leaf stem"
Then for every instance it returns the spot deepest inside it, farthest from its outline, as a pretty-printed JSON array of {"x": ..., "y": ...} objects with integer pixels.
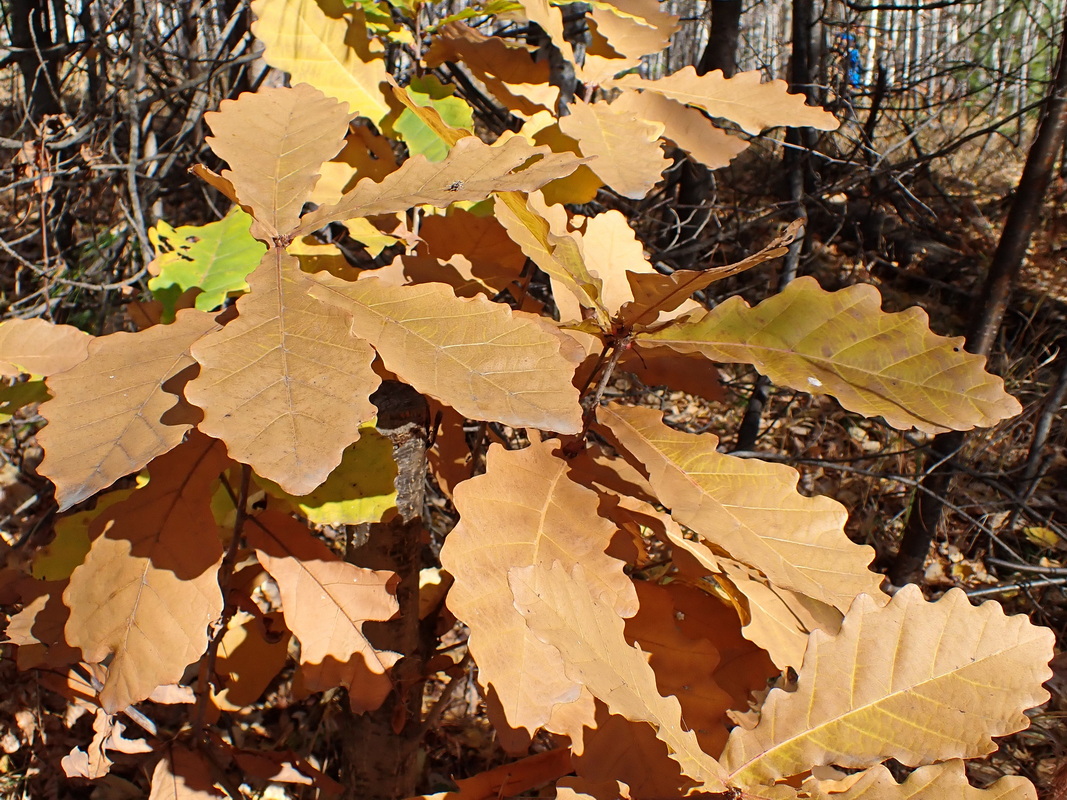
[{"x": 207, "y": 663}]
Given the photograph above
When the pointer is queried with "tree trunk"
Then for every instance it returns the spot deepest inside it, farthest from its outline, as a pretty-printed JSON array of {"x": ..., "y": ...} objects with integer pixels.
[
  {"x": 380, "y": 749},
  {"x": 1023, "y": 218},
  {"x": 721, "y": 53},
  {"x": 796, "y": 160},
  {"x": 36, "y": 54}
]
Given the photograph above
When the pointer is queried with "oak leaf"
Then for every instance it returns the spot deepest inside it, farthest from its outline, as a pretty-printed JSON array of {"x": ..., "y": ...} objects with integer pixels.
[
  {"x": 114, "y": 412},
  {"x": 915, "y": 681},
  {"x": 248, "y": 660},
  {"x": 655, "y": 294},
  {"x": 471, "y": 172},
  {"x": 325, "y": 601},
  {"x": 366, "y": 154},
  {"x": 541, "y": 232},
  {"x": 618, "y": 749},
  {"x": 421, "y": 139},
  {"x": 275, "y": 141},
  {"x": 550, "y": 19},
  {"x": 183, "y": 774},
  {"x": 316, "y": 42},
  {"x": 562, "y": 610},
  {"x": 285, "y": 385},
  {"x": 610, "y": 249},
  {"x": 360, "y": 489},
  {"x": 37, "y": 347},
  {"x": 629, "y": 157},
  {"x": 524, "y": 511},
  {"x": 687, "y": 127},
  {"x": 841, "y": 343},
  {"x": 148, "y": 588},
  {"x": 479, "y": 357},
  {"x": 780, "y": 621},
  {"x": 684, "y": 666},
  {"x": 748, "y": 508},
  {"x": 38, "y": 628},
  {"x": 741, "y": 98},
  {"x": 214, "y": 258},
  {"x": 508, "y": 70},
  {"x": 478, "y": 247},
  {"x": 634, "y": 28},
  {"x": 935, "y": 781}
]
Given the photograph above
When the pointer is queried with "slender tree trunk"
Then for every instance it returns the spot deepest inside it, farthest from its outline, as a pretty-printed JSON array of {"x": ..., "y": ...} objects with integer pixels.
[
  {"x": 694, "y": 182},
  {"x": 37, "y": 56},
  {"x": 797, "y": 162},
  {"x": 380, "y": 755},
  {"x": 721, "y": 52},
  {"x": 1022, "y": 219}
]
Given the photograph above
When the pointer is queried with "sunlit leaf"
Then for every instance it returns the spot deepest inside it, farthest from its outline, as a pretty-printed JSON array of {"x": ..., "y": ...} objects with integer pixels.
[
  {"x": 115, "y": 411},
  {"x": 317, "y": 43},
  {"x": 741, "y": 98},
  {"x": 481, "y": 358},
  {"x": 841, "y": 343},
  {"x": 285, "y": 385},
  {"x": 214, "y": 258},
  {"x": 914, "y": 681}
]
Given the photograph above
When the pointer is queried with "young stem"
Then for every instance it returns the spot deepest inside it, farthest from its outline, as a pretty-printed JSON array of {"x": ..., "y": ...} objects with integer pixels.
[{"x": 207, "y": 663}]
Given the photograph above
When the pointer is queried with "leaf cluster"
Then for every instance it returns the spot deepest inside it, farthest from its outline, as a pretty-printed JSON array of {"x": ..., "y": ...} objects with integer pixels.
[{"x": 762, "y": 663}]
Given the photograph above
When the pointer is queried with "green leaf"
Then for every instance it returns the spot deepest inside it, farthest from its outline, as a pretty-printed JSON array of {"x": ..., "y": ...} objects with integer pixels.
[
  {"x": 215, "y": 258},
  {"x": 842, "y": 344},
  {"x": 360, "y": 489},
  {"x": 428, "y": 91},
  {"x": 492, "y": 8},
  {"x": 20, "y": 395},
  {"x": 57, "y": 559}
]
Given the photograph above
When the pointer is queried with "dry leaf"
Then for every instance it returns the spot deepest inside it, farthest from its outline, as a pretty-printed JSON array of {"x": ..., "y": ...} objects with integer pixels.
[
  {"x": 479, "y": 357},
  {"x": 325, "y": 601},
  {"x": 748, "y": 508},
  {"x": 183, "y": 774},
  {"x": 247, "y": 660},
  {"x": 37, "y": 347},
  {"x": 524, "y": 510},
  {"x": 148, "y": 588},
  {"x": 629, "y": 157},
  {"x": 550, "y": 20},
  {"x": 686, "y": 127},
  {"x": 841, "y": 343},
  {"x": 634, "y": 28},
  {"x": 317, "y": 43},
  {"x": 285, "y": 385},
  {"x": 541, "y": 233},
  {"x": 741, "y": 98},
  {"x": 561, "y": 610},
  {"x": 621, "y": 750},
  {"x": 655, "y": 294},
  {"x": 472, "y": 171},
  {"x": 507, "y": 69},
  {"x": 926, "y": 783},
  {"x": 684, "y": 666},
  {"x": 275, "y": 141},
  {"x": 915, "y": 681},
  {"x": 110, "y": 415},
  {"x": 779, "y": 621}
]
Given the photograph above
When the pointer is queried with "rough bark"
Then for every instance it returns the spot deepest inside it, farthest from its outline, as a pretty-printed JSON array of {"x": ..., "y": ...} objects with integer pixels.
[
  {"x": 1023, "y": 218},
  {"x": 380, "y": 755}
]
